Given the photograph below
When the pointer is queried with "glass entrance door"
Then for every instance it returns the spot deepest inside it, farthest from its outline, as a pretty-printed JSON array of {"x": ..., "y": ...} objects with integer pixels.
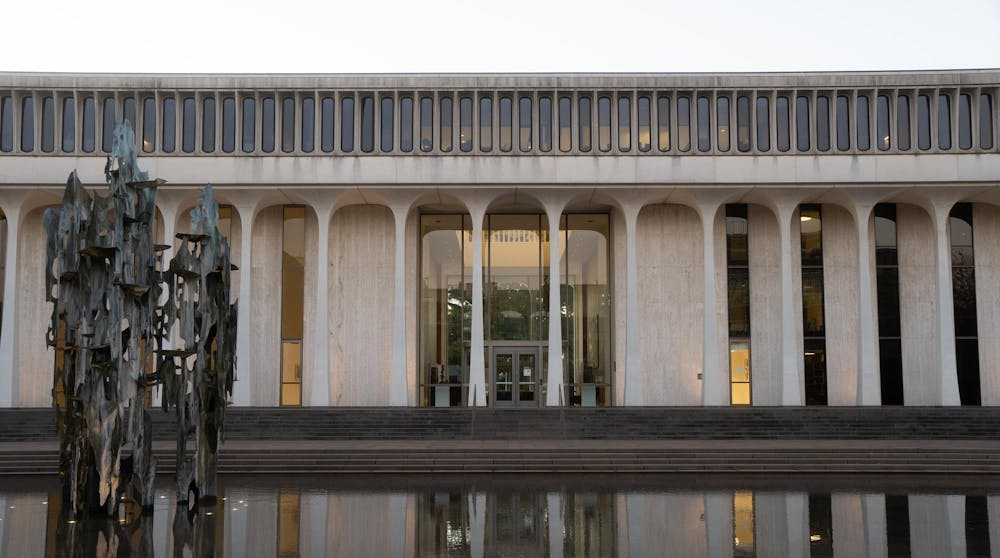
[{"x": 515, "y": 376}]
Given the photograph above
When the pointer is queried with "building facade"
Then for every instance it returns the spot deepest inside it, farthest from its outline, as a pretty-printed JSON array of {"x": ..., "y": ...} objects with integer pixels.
[{"x": 729, "y": 239}]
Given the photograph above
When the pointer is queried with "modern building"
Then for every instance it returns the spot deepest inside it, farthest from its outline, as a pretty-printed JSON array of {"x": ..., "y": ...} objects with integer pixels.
[{"x": 761, "y": 239}]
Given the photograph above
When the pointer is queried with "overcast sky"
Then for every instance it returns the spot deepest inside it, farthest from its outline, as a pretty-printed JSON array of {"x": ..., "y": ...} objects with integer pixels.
[{"x": 501, "y": 36}]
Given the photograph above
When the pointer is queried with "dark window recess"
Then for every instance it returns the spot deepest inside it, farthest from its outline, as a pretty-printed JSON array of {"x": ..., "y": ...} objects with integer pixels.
[
  {"x": 465, "y": 124},
  {"x": 545, "y": 124},
  {"x": 28, "y": 125},
  {"x": 6, "y": 124},
  {"x": 248, "y": 126},
  {"x": 485, "y": 124},
  {"x": 308, "y": 139},
  {"x": 843, "y": 123},
  {"x": 426, "y": 124},
  {"x": 48, "y": 124},
  {"x": 585, "y": 116},
  {"x": 887, "y": 302},
  {"x": 506, "y": 124},
  {"x": 604, "y": 124},
  {"x": 977, "y": 525},
  {"x": 821, "y": 525},
  {"x": 763, "y": 124},
  {"x": 663, "y": 123},
  {"x": 813, "y": 320},
  {"x": 683, "y": 124},
  {"x": 328, "y": 109},
  {"x": 783, "y": 117},
  {"x": 963, "y": 280},
  {"x": 822, "y": 123},
  {"x": 128, "y": 110},
  {"x": 288, "y": 124},
  {"x": 406, "y": 124},
  {"x": 267, "y": 124},
  {"x": 108, "y": 125},
  {"x": 347, "y": 124},
  {"x": 722, "y": 122},
  {"x": 903, "y": 133},
  {"x": 802, "y": 140},
  {"x": 228, "y": 124},
  {"x": 986, "y": 124},
  {"x": 386, "y": 124},
  {"x": 897, "y": 521},
  {"x": 169, "y": 125},
  {"x": 565, "y": 124},
  {"x": 208, "y": 125},
  {"x": 965, "y": 121},
  {"x": 524, "y": 123},
  {"x": 923, "y": 122},
  {"x": 188, "y": 125},
  {"x": 69, "y": 125},
  {"x": 624, "y": 124},
  {"x": 883, "y": 141},
  {"x": 944, "y": 121},
  {"x": 743, "y": 124},
  {"x": 367, "y": 124},
  {"x": 447, "y": 114},
  {"x": 863, "y": 123},
  {"x": 704, "y": 124},
  {"x": 149, "y": 124}
]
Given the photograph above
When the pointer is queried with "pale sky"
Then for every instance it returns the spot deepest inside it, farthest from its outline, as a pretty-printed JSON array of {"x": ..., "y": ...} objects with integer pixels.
[{"x": 311, "y": 36}]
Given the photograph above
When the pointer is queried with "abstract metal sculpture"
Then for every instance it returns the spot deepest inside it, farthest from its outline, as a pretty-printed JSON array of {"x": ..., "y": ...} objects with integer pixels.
[{"x": 110, "y": 333}]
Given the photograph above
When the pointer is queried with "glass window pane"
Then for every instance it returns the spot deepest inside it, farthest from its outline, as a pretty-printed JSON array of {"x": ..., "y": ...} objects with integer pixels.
[
  {"x": 426, "y": 123},
  {"x": 386, "y": 118},
  {"x": 722, "y": 122},
  {"x": 447, "y": 114},
  {"x": 149, "y": 124},
  {"x": 288, "y": 124},
  {"x": 485, "y": 124},
  {"x": 28, "y": 124},
  {"x": 506, "y": 123},
  {"x": 367, "y": 124},
  {"x": 249, "y": 124},
  {"x": 465, "y": 124},
  {"x": 663, "y": 123},
  {"x": 965, "y": 121},
  {"x": 406, "y": 124},
  {"x": 6, "y": 124},
  {"x": 68, "y": 125},
  {"x": 763, "y": 124},
  {"x": 308, "y": 124},
  {"x": 903, "y": 123},
  {"x": 985, "y": 121},
  {"x": 208, "y": 125},
  {"x": 584, "y": 115},
  {"x": 683, "y": 123},
  {"x": 129, "y": 111},
  {"x": 328, "y": 108},
  {"x": 704, "y": 124},
  {"x": 802, "y": 140},
  {"x": 347, "y": 124},
  {"x": 228, "y": 124},
  {"x": 188, "y": 125},
  {"x": 624, "y": 124},
  {"x": 565, "y": 124},
  {"x": 169, "y": 125},
  {"x": 743, "y": 123},
  {"x": 783, "y": 123},
  {"x": 924, "y": 122},
  {"x": 823, "y": 123},
  {"x": 48, "y": 124},
  {"x": 645, "y": 131},
  {"x": 524, "y": 123},
  {"x": 545, "y": 123},
  {"x": 864, "y": 128},
  {"x": 108, "y": 124},
  {"x": 882, "y": 125},
  {"x": 843, "y": 123},
  {"x": 944, "y": 121},
  {"x": 604, "y": 123},
  {"x": 267, "y": 124}
]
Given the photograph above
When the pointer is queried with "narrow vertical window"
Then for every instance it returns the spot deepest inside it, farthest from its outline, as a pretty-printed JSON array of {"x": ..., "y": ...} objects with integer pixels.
[
  {"x": 28, "y": 124},
  {"x": 88, "y": 139},
  {"x": 890, "y": 351},
  {"x": 738, "y": 288},
  {"x": 506, "y": 123},
  {"x": 565, "y": 124},
  {"x": 208, "y": 125},
  {"x": 367, "y": 124},
  {"x": 813, "y": 321},
  {"x": 248, "y": 126},
  {"x": 228, "y": 124},
  {"x": 604, "y": 123},
  {"x": 965, "y": 121},
  {"x": 744, "y": 532},
  {"x": 985, "y": 121},
  {"x": 704, "y": 125},
  {"x": 108, "y": 124},
  {"x": 128, "y": 111},
  {"x": 6, "y": 124},
  {"x": 584, "y": 115},
  {"x": 386, "y": 124},
  {"x": 843, "y": 123},
  {"x": 426, "y": 124},
  {"x": 447, "y": 114},
  {"x": 169, "y": 125},
  {"x": 149, "y": 124},
  {"x": 863, "y": 123},
  {"x": 882, "y": 123},
  {"x": 288, "y": 124},
  {"x": 486, "y": 124},
  {"x": 624, "y": 124},
  {"x": 763, "y": 124},
  {"x": 903, "y": 123},
  {"x": 68, "y": 125},
  {"x": 683, "y": 124},
  {"x": 308, "y": 139},
  {"x": 722, "y": 122},
  {"x": 944, "y": 121},
  {"x": 643, "y": 142},
  {"x": 292, "y": 303},
  {"x": 802, "y": 123},
  {"x": 188, "y": 124},
  {"x": 465, "y": 124},
  {"x": 743, "y": 124},
  {"x": 48, "y": 124},
  {"x": 963, "y": 281},
  {"x": 663, "y": 123},
  {"x": 783, "y": 117},
  {"x": 524, "y": 123},
  {"x": 545, "y": 123},
  {"x": 924, "y": 122},
  {"x": 328, "y": 109},
  {"x": 347, "y": 124},
  {"x": 406, "y": 124},
  {"x": 267, "y": 124}
]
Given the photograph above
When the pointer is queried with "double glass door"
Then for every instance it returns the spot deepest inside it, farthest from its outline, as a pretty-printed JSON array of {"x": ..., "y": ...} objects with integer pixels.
[{"x": 515, "y": 376}]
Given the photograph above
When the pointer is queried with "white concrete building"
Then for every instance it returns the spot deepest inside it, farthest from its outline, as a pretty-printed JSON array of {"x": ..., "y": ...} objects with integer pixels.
[{"x": 764, "y": 239}]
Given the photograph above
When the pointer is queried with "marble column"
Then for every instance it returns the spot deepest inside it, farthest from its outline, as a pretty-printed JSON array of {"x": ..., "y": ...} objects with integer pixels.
[
  {"x": 633, "y": 351},
  {"x": 477, "y": 364},
  {"x": 714, "y": 383},
  {"x": 319, "y": 385},
  {"x": 554, "y": 507},
  {"x": 397, "y": 380},
  {"x": 554, "y": 383},
  {"x": 869, "y": 381},
  {"x": 947, "y": 366},
  {"x": 244, "y": 337},
  {"x": 791, "y": 379},
  {"x": 8, "y": 327}
]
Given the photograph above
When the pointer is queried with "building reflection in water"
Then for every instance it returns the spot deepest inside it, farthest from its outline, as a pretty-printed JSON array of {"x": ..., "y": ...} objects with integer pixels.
[{"x": 557, "y": 522}]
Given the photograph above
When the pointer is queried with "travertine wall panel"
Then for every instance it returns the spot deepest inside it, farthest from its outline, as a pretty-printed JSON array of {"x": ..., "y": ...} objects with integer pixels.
[
  {"x": 986, "y": 239},
  {"x": 840, "y": 293},
  {"x": 765, "y": 306},
  {"x": 667, "y": 520},
  {"x": 937, "y": 525},
  {"x": 266, "y": 310},
  {"x": 618, "y": 266},
  {"x": 917, "y": 308},
  {"x": 33, "y": 377},
  {"x": 309, "y": 304}
]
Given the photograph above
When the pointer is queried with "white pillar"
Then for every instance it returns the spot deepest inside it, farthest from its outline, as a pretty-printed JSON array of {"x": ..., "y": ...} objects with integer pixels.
[
  {"x": 8, "y": 327},
  {"x": 553, "y": 501},
  {"x": 873, "y": 517},
  {"x": 477, "y": 364},
  {"x": 633, "y": 353},
  {"x": 554, "y": 384},
  {"x": 169, "y": 214},
  {"x": 869, "y": 381},
  {"x": 477, "y": 524},
  {"x": 319, "y": 388},
  {"x": 719, "y": 524},
  {"x": 714, "y": 383},
  {"x": 244, "y": 364},
  {"x": 946, "y": 311},
  {"x": 397, "y": 383},
  {"x": 791, "y": 381}
]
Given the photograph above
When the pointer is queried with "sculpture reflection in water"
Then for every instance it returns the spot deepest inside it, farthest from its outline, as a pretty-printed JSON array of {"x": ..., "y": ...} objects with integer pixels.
[{"x": 111, "y": 336}]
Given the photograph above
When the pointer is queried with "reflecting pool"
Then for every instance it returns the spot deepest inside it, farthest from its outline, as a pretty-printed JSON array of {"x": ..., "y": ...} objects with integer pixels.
[{"x": 549, "y": 515}]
